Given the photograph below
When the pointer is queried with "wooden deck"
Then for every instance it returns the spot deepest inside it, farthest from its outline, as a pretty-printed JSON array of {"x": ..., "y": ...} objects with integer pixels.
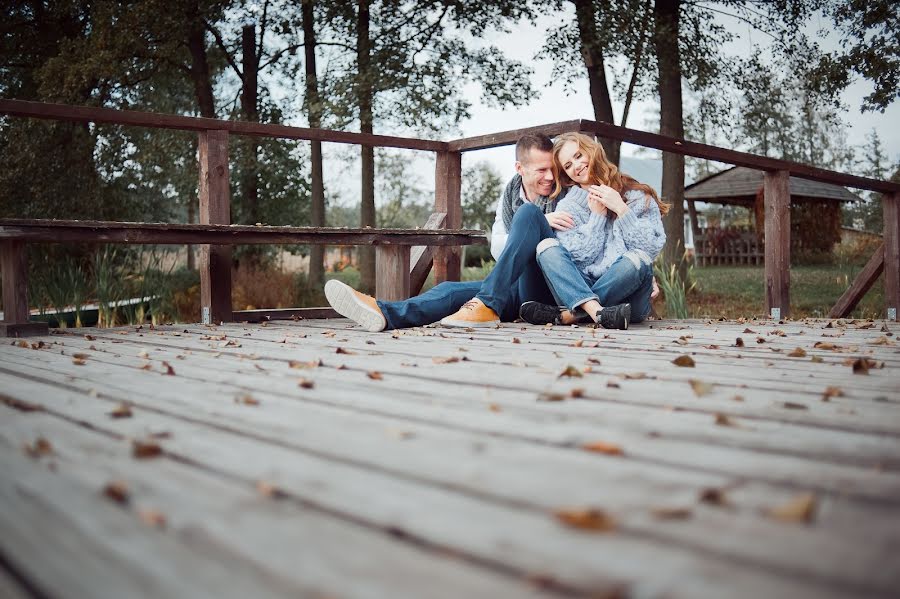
[{"x": 312, "y": 459}]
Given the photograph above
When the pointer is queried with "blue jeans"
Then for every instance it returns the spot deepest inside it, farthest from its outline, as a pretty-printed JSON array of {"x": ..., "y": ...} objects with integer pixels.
[
  {"x": 516, "y": 278},
  {"x": 628, "y": 280}
]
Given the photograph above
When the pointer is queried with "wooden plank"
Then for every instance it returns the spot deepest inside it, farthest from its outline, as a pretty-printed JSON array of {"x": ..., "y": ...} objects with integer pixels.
[
  {"x": 86, "y": 114},
  {"x": 790, "y": 548},
  {"x": 392, "y": 272},
  {"x": 422, "y": 256},
  {"x": 215, "y": 208},
  {"x": 778, "y": 243},
  {"x": 227, "y": 519},
  {"x": 447, "y": 199},
  {"x": 283, "y": 314},
  {"x": 54, "y": 231},
  {"x": 14, "y": 265},
  {"x": 698, "y": 150},
  {"x": 508, "y": 138},
  {"x": 891, "y": 207},
  {"x": 860, "y": 285}
]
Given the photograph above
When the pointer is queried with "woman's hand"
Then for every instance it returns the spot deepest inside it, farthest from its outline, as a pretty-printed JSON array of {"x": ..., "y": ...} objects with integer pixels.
[
  {"x": 609, "y": 197},
  {"x": 561, "y": 221},
  {"x": 596, "y": 206}
]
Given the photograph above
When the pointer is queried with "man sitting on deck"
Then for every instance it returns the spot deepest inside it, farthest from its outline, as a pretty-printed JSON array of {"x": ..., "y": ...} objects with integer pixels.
[{"x": 525, "y": 216}]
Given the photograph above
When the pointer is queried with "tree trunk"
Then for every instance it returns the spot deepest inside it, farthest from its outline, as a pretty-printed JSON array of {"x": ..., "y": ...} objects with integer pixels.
[
  {"x": 365, "y": 94},
  {"x": 592, "y": 52},
  {"x": 314, "y": 111},
  {"x": 249, "y": 106},
  {"x": 671, "y": 123}
]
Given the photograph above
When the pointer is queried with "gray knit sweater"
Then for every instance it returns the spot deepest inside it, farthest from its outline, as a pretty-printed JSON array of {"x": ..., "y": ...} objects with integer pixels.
[{"x": 597, "y": 241}]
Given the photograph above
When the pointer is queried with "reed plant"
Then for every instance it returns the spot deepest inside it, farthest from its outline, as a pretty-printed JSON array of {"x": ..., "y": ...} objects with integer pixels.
[{"x": 674, "y": 289}]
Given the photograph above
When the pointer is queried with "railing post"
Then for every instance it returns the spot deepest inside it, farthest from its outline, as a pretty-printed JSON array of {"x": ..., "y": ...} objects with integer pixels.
[
  {"x": 15, "y": 292},
  {"x": 447, "y": 187},
  {"x": 778, "y": 243},
  {"x": 392, "y": 272},
  {"x": 215, "y": 208},
  {"x": 891, "y": 206}
]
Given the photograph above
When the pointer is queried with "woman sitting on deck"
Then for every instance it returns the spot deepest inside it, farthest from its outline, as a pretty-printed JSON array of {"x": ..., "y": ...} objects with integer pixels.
[{"x": 606, "y": 258}]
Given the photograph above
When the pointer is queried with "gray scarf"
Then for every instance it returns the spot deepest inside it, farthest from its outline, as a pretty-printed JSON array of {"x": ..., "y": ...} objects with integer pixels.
[{"x": 512, "y": 199}]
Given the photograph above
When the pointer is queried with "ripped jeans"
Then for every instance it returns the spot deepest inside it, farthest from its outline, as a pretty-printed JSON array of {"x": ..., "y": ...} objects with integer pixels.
[{"x": 628, "y": 280}]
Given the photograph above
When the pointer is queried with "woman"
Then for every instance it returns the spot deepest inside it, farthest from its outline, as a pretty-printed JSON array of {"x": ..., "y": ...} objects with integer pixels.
[{"x": 618, "y": 233}]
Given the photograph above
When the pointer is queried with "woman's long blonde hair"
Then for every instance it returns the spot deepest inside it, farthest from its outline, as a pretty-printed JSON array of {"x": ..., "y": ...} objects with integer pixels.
[{"x": 600, "y": 170}]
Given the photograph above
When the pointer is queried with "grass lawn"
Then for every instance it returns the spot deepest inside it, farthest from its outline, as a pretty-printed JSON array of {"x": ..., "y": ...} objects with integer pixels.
[{"x": 735, "y": 291}]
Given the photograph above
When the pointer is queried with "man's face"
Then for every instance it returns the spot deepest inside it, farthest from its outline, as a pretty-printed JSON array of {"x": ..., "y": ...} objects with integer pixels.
[{"x": 537, "y": 173}]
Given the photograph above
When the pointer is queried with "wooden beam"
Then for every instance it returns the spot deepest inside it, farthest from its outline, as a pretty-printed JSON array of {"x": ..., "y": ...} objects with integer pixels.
[
  {"x": 891, "y": 206},
  {"x": 284, "y": 314},
  {"x": 392, "y": 272},
  {"x": 508, "y": 138},
  {"x": 87, "y": 114},
  {"x": 54, "y": 231},
  {"x": 778, "y": 243},
  {"x": 215, "y": 208},
  {"x": 16, "y": 316},
  {"x": 860, "y": 286},
  {"x": 422, "y": 256},
  {"x": 447, "y": 188}
]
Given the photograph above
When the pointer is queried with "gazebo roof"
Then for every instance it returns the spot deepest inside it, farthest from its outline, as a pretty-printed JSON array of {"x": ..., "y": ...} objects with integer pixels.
[{"x": 739, "y": 185}]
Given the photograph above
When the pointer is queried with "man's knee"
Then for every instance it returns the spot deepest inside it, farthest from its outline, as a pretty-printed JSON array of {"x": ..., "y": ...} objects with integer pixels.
[
  {"x": 638, "y": 258},
  {"x": 546, "y": 244}
]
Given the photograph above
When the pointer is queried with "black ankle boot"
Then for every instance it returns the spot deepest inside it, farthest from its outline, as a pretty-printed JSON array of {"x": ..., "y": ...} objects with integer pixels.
[{"x": 615, "y": 317}]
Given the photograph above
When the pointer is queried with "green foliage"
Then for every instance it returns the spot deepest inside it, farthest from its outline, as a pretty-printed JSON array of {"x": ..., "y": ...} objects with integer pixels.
[
  {"x": 481, "y": 190},
  {"x": 674, "y": 289}
]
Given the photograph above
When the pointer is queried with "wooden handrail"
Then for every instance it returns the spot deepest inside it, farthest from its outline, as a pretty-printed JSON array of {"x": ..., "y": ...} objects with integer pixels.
[{"x": 88, "y": 114}]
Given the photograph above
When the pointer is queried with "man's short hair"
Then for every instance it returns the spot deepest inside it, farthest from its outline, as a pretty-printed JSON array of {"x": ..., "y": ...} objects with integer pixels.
[{"x": 532, "y": 141}]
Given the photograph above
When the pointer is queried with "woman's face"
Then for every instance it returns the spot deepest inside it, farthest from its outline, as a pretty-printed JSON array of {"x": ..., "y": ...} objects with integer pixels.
[{"x": 574, "y": 162}]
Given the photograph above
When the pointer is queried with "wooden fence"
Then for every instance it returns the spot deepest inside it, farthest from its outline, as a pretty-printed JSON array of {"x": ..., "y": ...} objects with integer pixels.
[
  {"x": 215, "y": 202},
  {"x": 720, "y": 246}
]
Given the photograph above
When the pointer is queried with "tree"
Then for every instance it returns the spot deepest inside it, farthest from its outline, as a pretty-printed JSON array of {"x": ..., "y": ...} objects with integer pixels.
[
  {"x": 481, "y": 188},
  {"x": 313, "y": 105}
]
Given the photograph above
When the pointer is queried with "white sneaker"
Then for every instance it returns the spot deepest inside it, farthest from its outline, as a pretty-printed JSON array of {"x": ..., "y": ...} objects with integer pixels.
[{"x": 357, "y": 306}]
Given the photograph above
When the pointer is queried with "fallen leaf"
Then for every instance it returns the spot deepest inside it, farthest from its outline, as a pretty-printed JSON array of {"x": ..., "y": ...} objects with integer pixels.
[
  {"x": 881, "y": 341},
  {"x": 832, "y": 392},
  {"x": 723, "y": 420},
  {"x": 123, "y": 410},
  {"x": 570, "y": 371},
  {"x": 816, "y": 359},
  {"x": 301, "y": 365},
  {"x": 737, "y": 398},
  {"x": 671, "y": 513},
  {"x": 713, "y": 496},
  {"x": 760, "y": 340},
  {"x": 711, "y": 346},
  {"x": 145, "y": 449},
  {"x": 117, "y": 490},
  {"x": 797, "y": 353},
  {"x": 613, "y": 385},
  {"x": 603, "y": 447},
  {"x": 90, "y": 337},
  {"x": 799, "y": 509},
  {"x": 375, "y": 375},
  {"x": 594, "y": 361},
  {"x": 147, "y": 366},
  {"x": 700, "y": 388},
  {"x": 306, "y": 383},
  {"x": 38, "y": 448},
  {"x": 739, "y": 342},
  {"x": 153, "y": 518},
  {"x": 684, "y": 360},
  {"x": 825, "y": 345},
  {"x": 79, "y": 361},
  {"x": 749, "y": 332},
  {"x": 790, "y": 405},
  {"x": 169, "y": 370},
  {"x": 18, "y": 404},
  {"x": 860, "y": 366},
  {"x": 586, "y": 519},
  {"x": 341, "y": 350},
  {"x": 635, "y": 376},
  {"x": 23, "y": 344},
  {"x": 446, "y": 360},
  {"x": 516, "y": 340},
  {"x": 247, "y": 399},
  {"x": 578, "y": 343},
  {"x": 551, "y": 397},
  {"x": 576, "y": 392},
  {"x": 269, "y": 490}
]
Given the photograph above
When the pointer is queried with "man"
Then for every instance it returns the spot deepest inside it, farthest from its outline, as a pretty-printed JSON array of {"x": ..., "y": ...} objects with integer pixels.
[{"x": 525, "y": 216}]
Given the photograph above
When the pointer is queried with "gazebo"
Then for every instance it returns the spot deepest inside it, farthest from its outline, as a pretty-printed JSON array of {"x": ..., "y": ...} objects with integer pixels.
[{"x": 815, "y": 216}]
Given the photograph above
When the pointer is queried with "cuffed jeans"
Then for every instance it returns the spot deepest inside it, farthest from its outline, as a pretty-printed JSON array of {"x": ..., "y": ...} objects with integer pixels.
[
  {"x": 628, "y": 280},
  {"x": 515, "y": 279}
]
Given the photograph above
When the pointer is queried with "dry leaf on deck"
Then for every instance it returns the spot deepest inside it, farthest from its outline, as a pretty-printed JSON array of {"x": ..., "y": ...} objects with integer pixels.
[
  {"x": 825, "y": 345},
  {"x": 790, "y": 405},
  {"x": 613, "y": 385},
  {"x": 375, "y": 375},
  {"x": 760, "y": 340},
  {"x": 79, "y": 361},
  {"x": 801, "y": 508},
  {"x": 22, "y": 343},
  {"x": 306, "y": 383},
  {"x": 551, "y": 397},
  {"x": 341, "y": 350},
  {"x": 749, "y": 332},
  {"x": 861, "y": 366},
  {"x": 18, "y": 404},
  {"x": 713, "y": 496},
  {"x": 816, "y": 359},
  {"x": 684, "y": 360},
  {"x": 576, "y": 392},
  {"x": 90, "y": 337},
  {"x": 593, "y": 361},
  {"x": 145, "y": 449},
  {"x": 269, "y": 490},
  {"x": 797, "y": 353},
  {"x": 603, "y": 447},
  {"x": 446, "y": 360},
  {"x": 700, "y": 388},
  {"x": 739, "y": 342},
  {"x": 121, "y": 411},
  {"x": 671, "y": 513},
  {"x": 723, "y": 420},
  {"x": 40, "y": 447},
  {"x": 882, "y": 341},
  {"x": 586, "y": 519},
  {"x": 154, "y": 518},
  {"x": 635, "y": 376},
  {"x": 299, "y": 365},
  {"x": 516, "y": 340},
  {"x": 711, "y": 346},
  {"x": 247, "y": 399},
  {"x": 832, "y": 392},
  {"x": 570, "y": 371},
  {"x": 117, "y": 490}
]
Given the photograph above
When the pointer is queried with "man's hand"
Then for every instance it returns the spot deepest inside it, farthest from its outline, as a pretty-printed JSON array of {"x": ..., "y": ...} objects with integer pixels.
[
  {"x": 561, "y": 221},
  {"x": 655, "y": 293}
]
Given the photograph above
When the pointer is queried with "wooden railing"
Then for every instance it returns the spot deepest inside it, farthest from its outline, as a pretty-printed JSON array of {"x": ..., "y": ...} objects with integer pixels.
[
  {"x": 215, "y": 196},
  {"x": 715, "y": 246}
]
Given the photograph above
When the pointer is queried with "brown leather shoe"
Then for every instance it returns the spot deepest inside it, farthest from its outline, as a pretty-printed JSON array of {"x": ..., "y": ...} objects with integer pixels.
[
  {"x": 473, "y": 314},
  {"x": 357, "y": 306}
]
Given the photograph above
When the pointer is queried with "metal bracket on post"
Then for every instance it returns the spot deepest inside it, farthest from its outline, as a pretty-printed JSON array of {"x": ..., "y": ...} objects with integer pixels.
[
  {"x": 204, "y": 316},
  {"x": 892, "y": 314},
  {"x": 776, "y": 314}
]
